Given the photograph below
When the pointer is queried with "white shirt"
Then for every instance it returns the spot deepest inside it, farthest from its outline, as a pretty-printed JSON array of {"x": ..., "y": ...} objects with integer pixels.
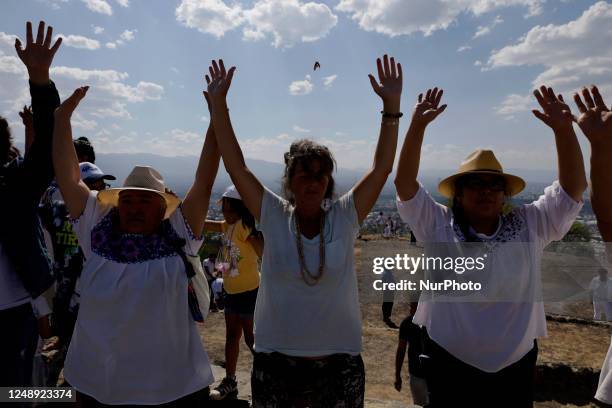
[
  {"x": 292, "y": 317},
  {"x": 493, "y": 335},
  {"x": 217, "y": 287},
  {"x": 135, "y": 341},
  {"x": 601, "y": 289},
  {"x": 13, "y": 293}
]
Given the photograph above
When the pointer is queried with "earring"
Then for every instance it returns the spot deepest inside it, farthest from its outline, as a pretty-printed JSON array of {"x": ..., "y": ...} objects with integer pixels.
[{"x": 326, "y": 204}]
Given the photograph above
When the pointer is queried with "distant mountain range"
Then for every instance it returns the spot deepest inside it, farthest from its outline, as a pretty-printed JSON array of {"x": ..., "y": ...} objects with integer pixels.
[{"x": 179, "y": 171}]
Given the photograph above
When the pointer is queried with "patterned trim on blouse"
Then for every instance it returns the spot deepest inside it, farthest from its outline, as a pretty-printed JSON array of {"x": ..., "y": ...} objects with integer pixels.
[
  {"x": 133, "y": 248},
  {"x": 512, "y": 225},
  {"x": 192, "y": 235}
]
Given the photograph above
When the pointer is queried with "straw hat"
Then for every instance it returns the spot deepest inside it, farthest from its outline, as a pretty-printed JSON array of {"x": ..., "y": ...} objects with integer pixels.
[
  {"x": 481, "y": 162},
  {"x": 142, "y": 178}
]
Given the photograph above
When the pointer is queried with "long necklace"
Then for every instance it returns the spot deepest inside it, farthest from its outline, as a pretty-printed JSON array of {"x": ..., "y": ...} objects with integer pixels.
[{"x": 308, "y": 277}]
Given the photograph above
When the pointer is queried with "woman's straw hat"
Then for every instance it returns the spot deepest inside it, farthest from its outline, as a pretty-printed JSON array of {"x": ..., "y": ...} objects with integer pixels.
[
  {"x": 481, "y": 162},
  {"x": 141, "y": 178}
]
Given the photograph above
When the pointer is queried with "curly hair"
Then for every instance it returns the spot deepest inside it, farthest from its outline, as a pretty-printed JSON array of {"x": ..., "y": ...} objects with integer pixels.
[{"x": 305, "y": 152}]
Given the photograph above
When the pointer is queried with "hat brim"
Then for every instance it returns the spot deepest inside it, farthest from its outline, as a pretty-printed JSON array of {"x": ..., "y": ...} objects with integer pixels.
[
  {"x": 514, "y": 184},
  {"x": 111, "y": 197},
  {"x": 100, "y": 177}
]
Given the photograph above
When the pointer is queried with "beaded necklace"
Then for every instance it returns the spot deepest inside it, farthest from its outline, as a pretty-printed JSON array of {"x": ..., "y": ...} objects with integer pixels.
[{"x": 308, "y": 277}]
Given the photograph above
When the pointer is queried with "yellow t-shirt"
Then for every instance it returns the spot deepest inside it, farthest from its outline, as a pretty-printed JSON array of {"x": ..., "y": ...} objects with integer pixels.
[{"x": 248, "y": 272}]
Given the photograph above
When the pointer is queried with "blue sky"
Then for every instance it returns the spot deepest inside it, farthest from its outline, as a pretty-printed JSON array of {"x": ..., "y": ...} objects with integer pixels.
[{"x": 145, "y": 62}]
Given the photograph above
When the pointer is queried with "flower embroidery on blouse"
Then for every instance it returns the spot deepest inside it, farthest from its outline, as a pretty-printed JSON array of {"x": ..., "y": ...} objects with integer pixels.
[
  {"x": 115, "y": 246},
  {"x": 512, "y": 225}
]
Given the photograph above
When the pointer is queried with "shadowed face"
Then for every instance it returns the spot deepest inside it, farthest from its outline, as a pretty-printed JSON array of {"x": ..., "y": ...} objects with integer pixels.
[
  {"x": 309, "y": 185},
  {"x": 140, "y": 212},
  {"x": 230, "y": 215},
  {"x": 482, "y": 196}
]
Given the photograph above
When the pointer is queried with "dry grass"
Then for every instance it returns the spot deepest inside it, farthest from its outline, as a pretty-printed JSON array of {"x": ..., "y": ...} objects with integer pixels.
[{"x": 571, "y": 344}]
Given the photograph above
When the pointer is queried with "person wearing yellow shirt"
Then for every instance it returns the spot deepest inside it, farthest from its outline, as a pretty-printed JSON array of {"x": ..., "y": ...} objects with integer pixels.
[{"x": 238, "y": 263}]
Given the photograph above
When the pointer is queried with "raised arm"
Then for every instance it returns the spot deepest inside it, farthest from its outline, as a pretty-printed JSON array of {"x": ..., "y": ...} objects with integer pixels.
[
  {"x": 595, "y": 121},
  {"x": 426, "y": 110},
  {"x": 38, "y": 57},
  {"x": 557, "y": 115},
  {"x": 65, "y": 161},
  {"x": 28, "y": 123},
  {"x": 389, "y": 89},
  {"x": 249, "y": 187},
  {"x": 195, "y": 204}
]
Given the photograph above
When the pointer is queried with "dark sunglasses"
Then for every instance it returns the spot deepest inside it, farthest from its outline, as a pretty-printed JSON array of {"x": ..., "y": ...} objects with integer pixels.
[{"x": 476, "y": 183}]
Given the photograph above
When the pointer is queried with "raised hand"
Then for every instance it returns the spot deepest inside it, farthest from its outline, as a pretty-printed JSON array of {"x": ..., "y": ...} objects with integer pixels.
[
  {"x": 69, "y": 105},
  {"x": 26, "y": 116},
  {"x": 556, "y": 113},
  {"x": 595, "y": 118},
  {"x": 38, "y": 55},
  {"x": 389, "y": 84},
  {"x": 428, "y": 107},
  {"x": 218, "y": 82}
]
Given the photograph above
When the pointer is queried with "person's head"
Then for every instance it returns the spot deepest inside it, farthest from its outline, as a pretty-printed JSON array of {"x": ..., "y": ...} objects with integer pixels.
[
  {"x": 479, "y": 189},
  {"x": 84, "y": 150},
  {"x": 308, "y": 179},
  {"x": 93, "y": 177},
  {"x": 8, "y": 151},
  {"x": 142, "y": 203},
  {"x": 480, "y": 196},
  {"x": 234, "y": 209}
]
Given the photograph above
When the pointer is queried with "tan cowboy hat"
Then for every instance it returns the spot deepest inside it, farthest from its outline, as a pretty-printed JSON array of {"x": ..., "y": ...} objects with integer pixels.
[
  {"x": 141, "y": 178},
  {"x": 481, "y": 162}
]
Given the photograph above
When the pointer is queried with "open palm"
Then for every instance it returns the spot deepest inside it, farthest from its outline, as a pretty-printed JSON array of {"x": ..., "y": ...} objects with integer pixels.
[
  {"x": 38, "y": 55},
  {"x": 595, "y": 118},
  {"x": 555, "y": 112},
  {"x": 428, "y": 107},
  {"x": 389, "y": 84}
]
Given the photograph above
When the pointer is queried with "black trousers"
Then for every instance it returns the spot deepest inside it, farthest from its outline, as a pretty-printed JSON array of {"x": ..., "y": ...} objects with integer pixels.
[
  {"x": 17, "y": 346},
  {"x": 387, "y": 308},
  {"x": 453, "y": 383}
]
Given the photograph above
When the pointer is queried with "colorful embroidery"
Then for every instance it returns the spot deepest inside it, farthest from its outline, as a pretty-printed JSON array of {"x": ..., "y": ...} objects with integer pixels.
[
  {"x": 512, "y": 225},
  {"x": 115, "y": 246}
]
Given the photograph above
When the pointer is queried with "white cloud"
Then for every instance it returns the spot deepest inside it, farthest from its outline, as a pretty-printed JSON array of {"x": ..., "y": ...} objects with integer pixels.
[
  {"x": 79, "y": 41},
  {"x": 485, "y": 30},
  {"x": 209, "y": 16},
  {"x": 299, "y": 129},
  {"x": 97, "y": 29},
  {"x": 477, "y": 63},
  {"x": 184, "y": 136},
  {"x": 286, "y": 22},
  {"x": 55, "y": 4},
  {"x": 302, "y": 87},
  {"x": 99, "y": 6},
  {"x": 174, "y": 69},
  {"x": 514, "y": 103},
  {"x": 110, "y": 45},
  {"x": 128, "y": 35},
  {"x": 329, "y": 80},
  {"x": 464, "y": 48},
  {"x": 573, "y": 54},
  {"x": 123, "y": 3},
  {"x": 397, "y": 17},
  {"x": 79, "y": 122}
]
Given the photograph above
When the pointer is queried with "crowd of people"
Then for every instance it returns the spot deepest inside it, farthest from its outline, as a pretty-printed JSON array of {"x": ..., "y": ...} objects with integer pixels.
[{"x": 114, "y": 266}]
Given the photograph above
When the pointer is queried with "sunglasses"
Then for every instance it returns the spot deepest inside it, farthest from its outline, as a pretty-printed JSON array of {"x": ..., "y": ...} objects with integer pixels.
[{"x": 476, "y": 183}]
